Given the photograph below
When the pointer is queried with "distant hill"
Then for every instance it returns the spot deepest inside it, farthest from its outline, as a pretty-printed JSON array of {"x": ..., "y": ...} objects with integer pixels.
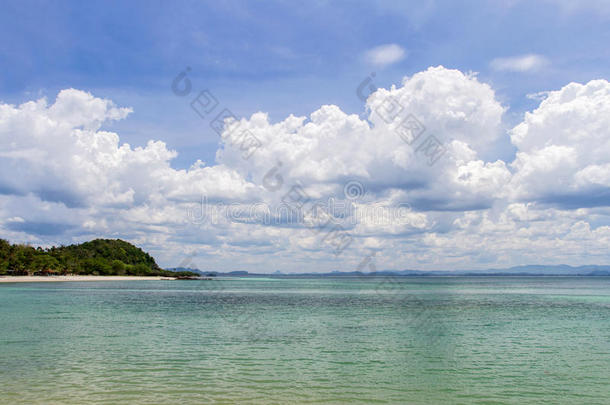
[
  {"x": 530, "y": 270},
  {"x": 97, "y": 257},
  {"x": 212, "y": 273}
]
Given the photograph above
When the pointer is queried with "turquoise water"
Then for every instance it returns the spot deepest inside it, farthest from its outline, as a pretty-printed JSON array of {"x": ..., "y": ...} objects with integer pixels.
[{"x": 411, "y": 340}]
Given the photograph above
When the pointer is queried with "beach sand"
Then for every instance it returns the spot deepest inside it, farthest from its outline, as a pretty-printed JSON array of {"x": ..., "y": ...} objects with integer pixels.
[{"x": 35, "y": 279}]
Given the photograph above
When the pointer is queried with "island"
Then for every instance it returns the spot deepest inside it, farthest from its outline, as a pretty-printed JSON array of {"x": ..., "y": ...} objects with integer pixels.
[{"x": 99, "y": 257}]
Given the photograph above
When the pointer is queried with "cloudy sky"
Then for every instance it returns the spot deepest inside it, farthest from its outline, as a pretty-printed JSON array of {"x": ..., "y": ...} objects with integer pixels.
[{"x": 314, "y": 137}]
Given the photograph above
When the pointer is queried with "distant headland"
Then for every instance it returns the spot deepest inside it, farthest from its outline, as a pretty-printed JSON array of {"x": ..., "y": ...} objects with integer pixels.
[
  {"x": 99, "y": 257},
  {"x": 517, "y": 271}
]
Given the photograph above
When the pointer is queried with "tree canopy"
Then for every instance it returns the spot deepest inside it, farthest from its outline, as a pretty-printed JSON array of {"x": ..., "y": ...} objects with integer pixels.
[{"x": 97, "y": 257}]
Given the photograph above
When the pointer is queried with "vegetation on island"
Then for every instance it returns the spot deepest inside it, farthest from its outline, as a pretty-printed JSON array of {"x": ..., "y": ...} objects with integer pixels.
[{"x": 104, "y": 257}]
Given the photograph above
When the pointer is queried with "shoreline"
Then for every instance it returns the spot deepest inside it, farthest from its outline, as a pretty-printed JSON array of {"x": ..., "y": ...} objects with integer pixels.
[{"x": 46, "y": 279}]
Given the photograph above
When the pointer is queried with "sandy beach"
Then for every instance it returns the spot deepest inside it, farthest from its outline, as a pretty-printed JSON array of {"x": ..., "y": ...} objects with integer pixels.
[{"x": 36, "y": 279}]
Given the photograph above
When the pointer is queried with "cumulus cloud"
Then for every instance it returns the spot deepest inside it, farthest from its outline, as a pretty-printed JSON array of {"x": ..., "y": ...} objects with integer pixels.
[
  {"x": 330, "y": 147},
  {"x": 384, "y": 55},
  {"x": 521, "y": 63},
  {"x": 64, "y": 178},
  {"x": 564, "y": 147},
  {"x": 58, "y": 153}
]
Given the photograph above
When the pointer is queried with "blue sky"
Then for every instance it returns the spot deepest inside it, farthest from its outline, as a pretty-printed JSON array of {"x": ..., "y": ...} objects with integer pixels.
[
  {"x": 544, "y": 176},
  {"x": 279, "y": 57}
]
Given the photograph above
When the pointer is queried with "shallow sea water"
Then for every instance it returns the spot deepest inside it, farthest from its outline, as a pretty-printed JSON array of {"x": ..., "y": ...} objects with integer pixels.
[{"x": 491, "y": 340}]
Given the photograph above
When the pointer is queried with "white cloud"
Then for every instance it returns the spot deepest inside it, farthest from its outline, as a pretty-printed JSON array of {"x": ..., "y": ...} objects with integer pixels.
[
  {"x": 521, "y": 63},
  {"x": 564, "y": 147},
  {"x": 58, "y": 153},
  {"x": 63, "y": 179},
  {"x": 384, "y": 55},
  {"x": 333, "y": 147}
]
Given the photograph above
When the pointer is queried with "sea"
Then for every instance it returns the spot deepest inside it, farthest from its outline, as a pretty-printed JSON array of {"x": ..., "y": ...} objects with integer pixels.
[{"x": 367, "y": 340}]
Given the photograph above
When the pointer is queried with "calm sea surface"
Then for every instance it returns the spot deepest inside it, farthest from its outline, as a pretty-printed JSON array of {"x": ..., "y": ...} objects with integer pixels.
[{"x": 485, "y": 340}]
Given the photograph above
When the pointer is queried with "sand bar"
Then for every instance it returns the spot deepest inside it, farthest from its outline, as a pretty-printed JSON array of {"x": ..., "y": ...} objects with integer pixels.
[{"x": 36, "y": 279}]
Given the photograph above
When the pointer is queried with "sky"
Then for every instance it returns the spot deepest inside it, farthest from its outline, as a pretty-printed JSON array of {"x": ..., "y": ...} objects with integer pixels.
[{"x": 270, "y": 136}]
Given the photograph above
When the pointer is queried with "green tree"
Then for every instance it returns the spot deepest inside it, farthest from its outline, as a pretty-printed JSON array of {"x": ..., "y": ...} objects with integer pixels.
[
  {"x": 44, "y": 262},
  {"x": 99, "y": 256},
  {"x": 5, "y": 250},
  {"x": 118, "y": 267}
]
